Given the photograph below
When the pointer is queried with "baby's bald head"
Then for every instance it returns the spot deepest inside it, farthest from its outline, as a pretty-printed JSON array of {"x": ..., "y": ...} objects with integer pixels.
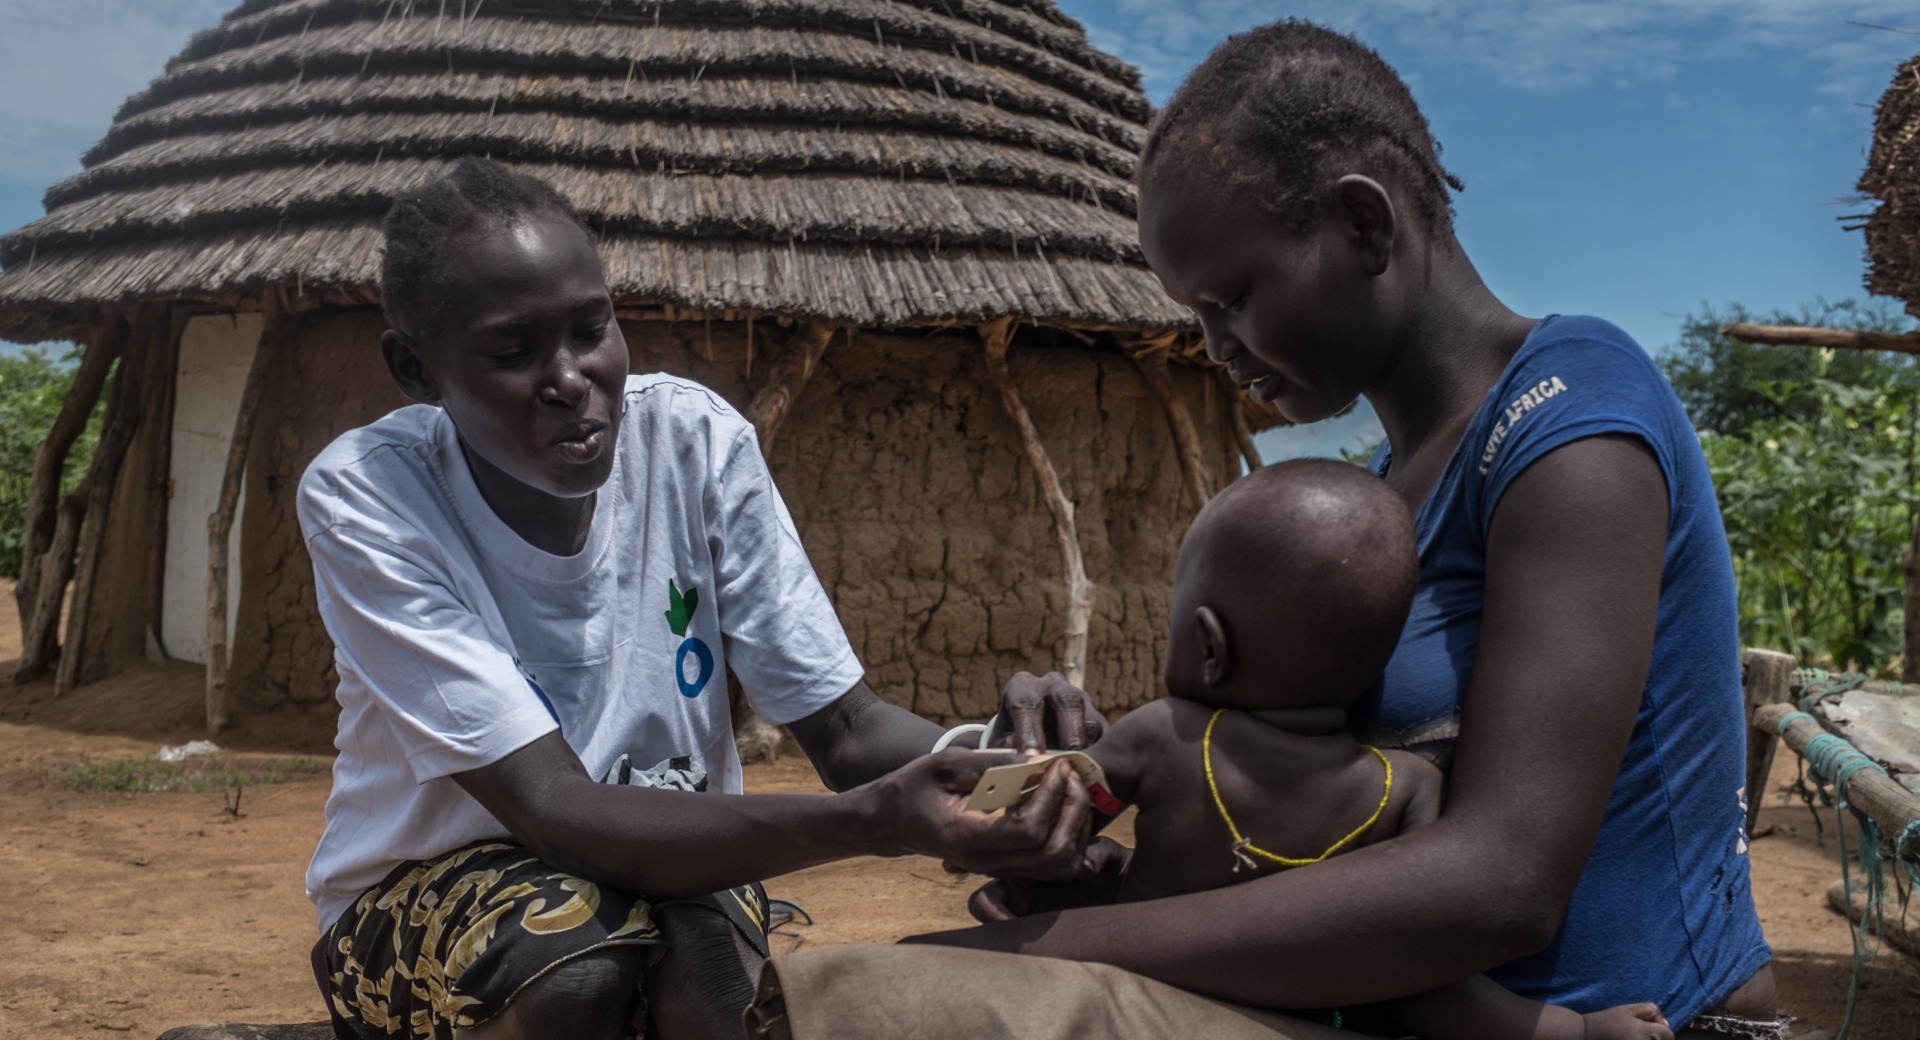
[{"x": 1307, "y": 569}]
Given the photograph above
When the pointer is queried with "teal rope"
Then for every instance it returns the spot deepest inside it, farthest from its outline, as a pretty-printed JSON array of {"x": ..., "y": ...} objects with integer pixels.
[
  {"x": 1817, "y": 684},
  {"x": 1834, "y": 761}
]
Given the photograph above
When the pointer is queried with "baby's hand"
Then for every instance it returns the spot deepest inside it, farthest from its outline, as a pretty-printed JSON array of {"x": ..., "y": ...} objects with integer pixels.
[
  {"x": 1098, "y": 884},
  {"x": 1628, "y": 1022}
]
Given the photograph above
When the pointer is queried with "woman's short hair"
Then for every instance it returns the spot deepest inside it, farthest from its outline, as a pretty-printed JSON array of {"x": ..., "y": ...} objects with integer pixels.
[
  {"x": 477, "y": 194},
  {"x": 1278, "y": 111}
]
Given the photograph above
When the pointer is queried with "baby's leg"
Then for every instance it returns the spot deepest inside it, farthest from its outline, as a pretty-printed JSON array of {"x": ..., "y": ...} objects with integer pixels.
[
  {"x": 1481, "y": 1009},
  {"x": 1628, "y": 1022}
]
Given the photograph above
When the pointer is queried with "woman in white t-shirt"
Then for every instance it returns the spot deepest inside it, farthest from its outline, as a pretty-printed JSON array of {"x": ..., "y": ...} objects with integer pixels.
[{"x": 535, "y": 580}]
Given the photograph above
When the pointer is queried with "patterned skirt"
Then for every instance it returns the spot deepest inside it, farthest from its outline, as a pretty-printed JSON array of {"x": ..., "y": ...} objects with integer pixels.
[{"x": 445, "y": 943}]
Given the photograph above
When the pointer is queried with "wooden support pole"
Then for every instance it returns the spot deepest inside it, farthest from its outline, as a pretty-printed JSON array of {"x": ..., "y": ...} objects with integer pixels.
[
  {"x": 1871, "y": 791},
  {"x": 1910, "y": 638},
  {"x": 1810, "y": 336},
  {"x": 220, "y": 523},
  {"x": 1767, "y": 678},
  {"x": 1237, "y": 411},
  {"x": 786, "y": 377},
  {"x": 40, "y": 636},
  {"x": 43, "y": 508},
  {"x": 1890, "y": 924},
  {"x": 1152, "y": 363},
  {"x": 81, "y": 512},
  {"x": 998, "y": 336},
  {"x": 130, "y": 407}
]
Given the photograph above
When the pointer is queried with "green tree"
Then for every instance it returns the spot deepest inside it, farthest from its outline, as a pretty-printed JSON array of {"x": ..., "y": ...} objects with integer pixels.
[
  {"x": 1727, "y": 385},
  {"x": 1813, "y": 453},
  {"x": 33, "y": 384}
]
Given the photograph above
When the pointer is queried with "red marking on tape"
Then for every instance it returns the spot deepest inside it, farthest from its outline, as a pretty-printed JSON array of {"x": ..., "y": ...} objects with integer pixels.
[{"x": 1104, "y": 800}]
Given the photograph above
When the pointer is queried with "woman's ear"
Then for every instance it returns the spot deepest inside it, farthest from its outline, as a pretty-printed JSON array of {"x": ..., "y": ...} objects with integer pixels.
[
  {"x": 404, "y": 364},
  {"x": 1217, "y": 650},
  {"x": 1371, "y": 222}
]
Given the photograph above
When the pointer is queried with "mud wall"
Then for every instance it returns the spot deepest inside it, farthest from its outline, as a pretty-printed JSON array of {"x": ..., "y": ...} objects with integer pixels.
[
  {"x": 926, "y": 523},
  {"x": 329, "y": 380},
  {"x": 904, "y": 475},
  {"x": 924, "y": 520}
]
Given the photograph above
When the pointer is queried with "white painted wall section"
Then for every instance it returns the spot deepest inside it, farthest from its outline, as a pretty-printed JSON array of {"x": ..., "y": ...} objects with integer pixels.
[{"x": 215, "y": 353}]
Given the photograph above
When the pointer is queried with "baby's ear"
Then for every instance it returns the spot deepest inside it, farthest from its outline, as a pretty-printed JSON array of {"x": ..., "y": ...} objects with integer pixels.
[
  {"x": 1216, "y": 647},
  {"x": 409, "y": 372}
]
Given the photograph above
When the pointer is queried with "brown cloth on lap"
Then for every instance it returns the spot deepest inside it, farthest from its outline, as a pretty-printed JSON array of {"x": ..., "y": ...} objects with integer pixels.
[{"x": 868, "y": 992}]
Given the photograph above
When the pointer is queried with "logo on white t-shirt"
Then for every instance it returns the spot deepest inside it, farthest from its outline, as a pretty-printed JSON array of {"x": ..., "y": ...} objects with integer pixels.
[{"x": 680, "y": 608}]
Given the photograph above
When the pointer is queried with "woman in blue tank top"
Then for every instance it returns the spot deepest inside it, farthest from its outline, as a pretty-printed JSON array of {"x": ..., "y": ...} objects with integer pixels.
[{"x": 1572, "y": 657}]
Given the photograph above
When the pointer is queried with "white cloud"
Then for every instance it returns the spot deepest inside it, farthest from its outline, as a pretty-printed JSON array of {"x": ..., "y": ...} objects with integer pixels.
[
  {"x": 68, "y": 66},
  {"x": 1535, "y": 44}
]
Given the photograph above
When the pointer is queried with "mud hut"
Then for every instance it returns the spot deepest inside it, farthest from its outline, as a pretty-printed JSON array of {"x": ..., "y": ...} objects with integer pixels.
[
  {"x": 897, "y": 233},
  {"x": 1893, "y": 178}
]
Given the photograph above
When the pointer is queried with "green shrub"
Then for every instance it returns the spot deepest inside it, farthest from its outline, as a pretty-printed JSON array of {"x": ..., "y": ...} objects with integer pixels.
[
  {"x": 1813, "y": 455},
  {"x": 33, "y": 385}
]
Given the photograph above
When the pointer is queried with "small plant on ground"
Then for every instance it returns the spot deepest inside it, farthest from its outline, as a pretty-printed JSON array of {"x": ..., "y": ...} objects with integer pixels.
[{"x": 195, "y": 775}]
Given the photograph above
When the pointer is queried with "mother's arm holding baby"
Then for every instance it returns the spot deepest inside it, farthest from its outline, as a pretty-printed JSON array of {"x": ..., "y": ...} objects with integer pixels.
[{"x": 1552, "y": 700}]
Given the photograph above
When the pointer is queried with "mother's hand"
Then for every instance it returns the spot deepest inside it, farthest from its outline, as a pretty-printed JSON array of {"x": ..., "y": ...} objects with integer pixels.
[
  {"x": 1047, "y": 711},
  {"x": 920, "y": 808}
]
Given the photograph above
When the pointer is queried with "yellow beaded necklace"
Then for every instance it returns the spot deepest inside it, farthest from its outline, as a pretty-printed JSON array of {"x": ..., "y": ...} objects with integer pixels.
[{"x": 1242, "y": 846}]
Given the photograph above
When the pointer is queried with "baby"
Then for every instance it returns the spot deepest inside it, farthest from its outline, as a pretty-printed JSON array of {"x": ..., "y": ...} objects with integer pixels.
[{"x": 1289, "y": 595}]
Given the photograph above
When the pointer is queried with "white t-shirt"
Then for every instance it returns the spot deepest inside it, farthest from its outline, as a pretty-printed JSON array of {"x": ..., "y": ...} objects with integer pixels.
[{"x": 458, "y": 643}]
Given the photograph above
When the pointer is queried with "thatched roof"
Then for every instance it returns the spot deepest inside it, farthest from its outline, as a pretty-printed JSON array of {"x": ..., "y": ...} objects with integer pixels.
[
  {"x": 868, "y": 162},
  {"x": 1893, "y": 177}
]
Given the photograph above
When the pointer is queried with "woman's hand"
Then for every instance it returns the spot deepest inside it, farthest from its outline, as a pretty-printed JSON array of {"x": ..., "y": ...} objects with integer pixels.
[
  {"x": 1096, "y": 882},
  {"x": 919, "y": 810},
  {"x": 1048, "y": 712}
]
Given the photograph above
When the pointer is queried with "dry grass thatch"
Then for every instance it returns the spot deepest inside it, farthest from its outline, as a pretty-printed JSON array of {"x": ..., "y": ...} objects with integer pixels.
[
  {"x": 867, "y": 162},
  {"x": 1893, "y": 177}
]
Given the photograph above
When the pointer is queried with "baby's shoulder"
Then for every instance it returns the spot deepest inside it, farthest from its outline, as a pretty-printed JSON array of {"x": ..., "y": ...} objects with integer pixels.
[
  {"x": 1158, "y": 723},
  {"x": 1145, "y": 748}
]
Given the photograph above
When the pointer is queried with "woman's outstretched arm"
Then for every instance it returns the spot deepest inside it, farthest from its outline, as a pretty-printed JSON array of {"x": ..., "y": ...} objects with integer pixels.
[{"x": 1574, "y": 559}]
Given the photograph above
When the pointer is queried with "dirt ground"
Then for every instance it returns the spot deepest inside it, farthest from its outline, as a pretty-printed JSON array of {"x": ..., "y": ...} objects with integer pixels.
[{"x": 133, "y": 913}]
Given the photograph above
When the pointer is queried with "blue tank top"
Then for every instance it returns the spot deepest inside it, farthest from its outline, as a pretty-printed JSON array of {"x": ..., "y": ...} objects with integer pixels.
[{"x": 1664, "y": 909}]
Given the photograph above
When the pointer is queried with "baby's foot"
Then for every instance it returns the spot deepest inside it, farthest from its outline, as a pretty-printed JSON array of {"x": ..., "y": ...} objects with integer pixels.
[{"x": 1628, "y": 1022}]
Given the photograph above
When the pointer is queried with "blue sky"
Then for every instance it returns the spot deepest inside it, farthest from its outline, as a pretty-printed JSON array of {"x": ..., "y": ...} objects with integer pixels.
[{"x": 1636, "y": 159}]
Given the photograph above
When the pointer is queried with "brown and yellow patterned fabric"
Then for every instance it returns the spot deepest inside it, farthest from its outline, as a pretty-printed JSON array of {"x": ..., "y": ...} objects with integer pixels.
[{"x": 444, "y": 944}]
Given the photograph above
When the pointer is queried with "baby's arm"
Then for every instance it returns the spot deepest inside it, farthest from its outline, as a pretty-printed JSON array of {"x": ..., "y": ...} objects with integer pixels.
[
  {"x": 1126, "y": 753},
  {"x": 1479, "y": 1008},
  {"x": 1128, "y": 749}
]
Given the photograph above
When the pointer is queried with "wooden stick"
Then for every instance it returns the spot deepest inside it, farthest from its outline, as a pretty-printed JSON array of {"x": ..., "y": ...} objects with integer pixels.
[
  {"x": 1152, "y": 363},
  {"x": 160, "y": 489},
  {"x": 1871, "y": 791},
  {"x": 1767, "y": 677},
  {"x": 129, "y": 412},
  {"x": 220, "y": 524},
  {"x": 1242, "y": 434},
  {"x": 1892, "y": 925},
  {"x": 40, "y": 638},
  {"x": 1808, "y": 336},
  {"x": 1910, "y": 639},
  {"x": 998, "y": 336},
  {"x": 86, "y": 502},
  {"x": 43, "y": 490},
  {"x": 787, "y": 375}
]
